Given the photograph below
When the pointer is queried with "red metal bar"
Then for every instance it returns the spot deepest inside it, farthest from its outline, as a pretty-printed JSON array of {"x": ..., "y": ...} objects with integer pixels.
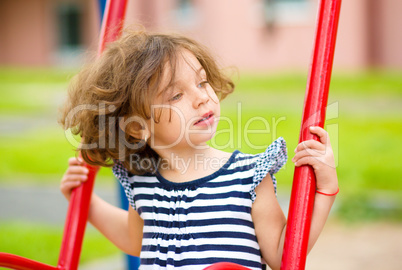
[
  {"x": 112, "y": 22},
  {"x": 75, "y": 224},
  {"x": 77, "y": 214},
  {"x": 20, "y": 263},
  {"x": 304, "y": 185},
  {"x": 226, "y": 266}
]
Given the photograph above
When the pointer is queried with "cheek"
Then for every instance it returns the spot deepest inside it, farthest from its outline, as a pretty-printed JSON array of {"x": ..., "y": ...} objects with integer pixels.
[
  {"x": 212, "y": 95},
  {"x": 170, "y": 125},
  {"x": 165, "y": 134},
  {"x": 175, "y": 117},
  {"x": 218, "y": 109}
]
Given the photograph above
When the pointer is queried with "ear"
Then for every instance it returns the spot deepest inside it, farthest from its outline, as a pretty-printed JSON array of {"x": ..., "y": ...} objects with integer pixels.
[{"x": 135, "y": 126}]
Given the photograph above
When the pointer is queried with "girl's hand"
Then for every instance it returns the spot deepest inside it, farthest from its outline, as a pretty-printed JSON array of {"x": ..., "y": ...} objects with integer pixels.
[
  {"x": 320, "y": 156},
  {"x": 75, "y": 175}
]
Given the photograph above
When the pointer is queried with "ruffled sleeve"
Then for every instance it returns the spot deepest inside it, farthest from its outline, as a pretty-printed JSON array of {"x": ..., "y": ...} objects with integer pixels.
[
  {"x": 274, "y": 157},
  {"x": 121, "y": 173}
]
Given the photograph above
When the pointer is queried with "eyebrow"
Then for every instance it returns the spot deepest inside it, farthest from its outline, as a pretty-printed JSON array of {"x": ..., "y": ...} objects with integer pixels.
[
  {"x": 200, "y": 70},
  {"x": 172, "y": 84}
]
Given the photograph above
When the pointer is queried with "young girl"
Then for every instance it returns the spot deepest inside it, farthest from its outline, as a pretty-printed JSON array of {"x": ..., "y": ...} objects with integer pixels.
[{"x": 147, "y": 107}]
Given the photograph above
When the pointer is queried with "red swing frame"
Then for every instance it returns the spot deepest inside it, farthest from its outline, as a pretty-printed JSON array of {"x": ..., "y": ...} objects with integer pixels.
[
  {"x": 315, "y": 105},
  {"x": 303, "y": 190}
]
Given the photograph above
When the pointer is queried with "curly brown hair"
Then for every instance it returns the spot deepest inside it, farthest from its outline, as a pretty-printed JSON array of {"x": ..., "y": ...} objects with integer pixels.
[{"x": 122, "y": 83}]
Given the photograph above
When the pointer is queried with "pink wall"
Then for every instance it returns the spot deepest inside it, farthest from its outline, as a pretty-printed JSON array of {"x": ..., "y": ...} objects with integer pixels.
[
  {"x": 28, "y": 32},
  {"x": 91, "y": 24},
  {"x": 24, "y": 35},
  {"x": 388, "y": 33},
  {"x": 369, "y": 34},
  {"x": 352, "y": 49},
  {"x": 234, "y": 34},
  {"x": 235, "y": 30}
]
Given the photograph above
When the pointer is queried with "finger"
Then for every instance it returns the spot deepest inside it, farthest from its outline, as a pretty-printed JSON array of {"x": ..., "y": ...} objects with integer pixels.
[
  {"x": 310, "y": 152},
  {"x": 66, "y": 188},
  {"x": 310, "y": 144},
  {"x": 303, "y": 161},
  {"x": 77, "y": 170},
  {"x": 67, "y": 185},
  {"x": 306, "y": 160},
  {"x": 321, "y": 133},
  {"x": 74, "y": 178},
  {"x": 75, "y": 161}
]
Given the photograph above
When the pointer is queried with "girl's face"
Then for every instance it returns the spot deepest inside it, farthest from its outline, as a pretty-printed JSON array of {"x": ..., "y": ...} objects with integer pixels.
[{"x": 188, "y": 107}]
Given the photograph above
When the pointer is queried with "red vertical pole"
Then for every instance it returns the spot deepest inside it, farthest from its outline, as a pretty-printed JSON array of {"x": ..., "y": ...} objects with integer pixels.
[
  {"x": 303, "y": 189},
  {"x": 112, "y": 22},
  {"x": 77, "y": 214}
]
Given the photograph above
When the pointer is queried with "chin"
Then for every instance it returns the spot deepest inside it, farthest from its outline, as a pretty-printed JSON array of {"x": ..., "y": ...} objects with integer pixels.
[{"x": 200, "y": 139}]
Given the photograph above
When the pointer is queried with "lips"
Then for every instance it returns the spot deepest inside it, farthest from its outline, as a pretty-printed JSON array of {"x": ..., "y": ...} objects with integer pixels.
[{"x": 206, "y": 119}]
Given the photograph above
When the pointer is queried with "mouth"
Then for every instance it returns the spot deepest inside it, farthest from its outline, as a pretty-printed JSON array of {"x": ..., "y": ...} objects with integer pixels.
[{"x": 206, "y": 118}]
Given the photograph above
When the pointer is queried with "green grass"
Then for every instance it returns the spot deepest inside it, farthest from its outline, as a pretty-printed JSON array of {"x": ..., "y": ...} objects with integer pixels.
[
  {"x": 363, "y": 82},
  {"x": 41, "y": 242},
  {"x": 27, "y": 91},
  {"x": 27, "y": 76},
  {"x": 36, "y": 156},
  {"x": 366, "y": 134}
]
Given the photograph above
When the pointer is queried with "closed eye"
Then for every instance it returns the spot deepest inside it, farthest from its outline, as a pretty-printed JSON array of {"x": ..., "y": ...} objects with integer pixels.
[
  {"x": 202, "y": 84},
  {"x": 176, "y": 97}
]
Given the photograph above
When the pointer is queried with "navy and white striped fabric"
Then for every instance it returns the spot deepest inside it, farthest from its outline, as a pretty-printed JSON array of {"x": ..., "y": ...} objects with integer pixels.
[{"x": 194, "y": 224}]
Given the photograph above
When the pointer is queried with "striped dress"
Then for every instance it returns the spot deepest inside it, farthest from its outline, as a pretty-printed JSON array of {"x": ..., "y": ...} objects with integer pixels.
[{"x": 194, "y": 224}]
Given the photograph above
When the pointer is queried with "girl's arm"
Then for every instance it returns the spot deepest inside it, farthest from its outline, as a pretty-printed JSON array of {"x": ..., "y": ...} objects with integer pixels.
[
  {"x": 268, "y": 218},
  {"x": 122, "y": 228},
  {"x": 269, "y": 223}
]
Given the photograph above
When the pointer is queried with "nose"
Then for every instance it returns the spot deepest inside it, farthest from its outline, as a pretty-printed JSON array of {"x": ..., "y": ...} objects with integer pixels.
[{"x": 200, "y": 97}]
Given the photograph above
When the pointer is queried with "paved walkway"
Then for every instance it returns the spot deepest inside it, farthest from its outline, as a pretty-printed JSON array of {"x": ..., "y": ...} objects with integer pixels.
[
  {"x": 110, "y": 263},
  {"x": 40, "y": 204},
  {"x": 369, "y": 246},
  {"x": 47, "y": 204}
]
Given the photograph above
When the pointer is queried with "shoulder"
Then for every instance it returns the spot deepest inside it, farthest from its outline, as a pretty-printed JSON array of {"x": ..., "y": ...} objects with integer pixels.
[
  {"x": 128, "y": 181},
  {"x": 268, "y": 163},
  {"x": 120, "y": 172},
  {"x": 243, "y": 160},
  {"x": 273, "y": 158}
]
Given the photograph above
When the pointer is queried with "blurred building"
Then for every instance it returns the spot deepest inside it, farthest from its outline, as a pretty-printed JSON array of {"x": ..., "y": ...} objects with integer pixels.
[{"x": 250, "y": 34}]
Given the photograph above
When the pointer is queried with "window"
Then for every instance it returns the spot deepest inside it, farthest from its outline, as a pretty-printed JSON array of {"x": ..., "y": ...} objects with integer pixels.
[
  {"x": 69, "y": 33},
  {"x": 286, "y": 11},
  {"x": 69, "y": 26}
]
